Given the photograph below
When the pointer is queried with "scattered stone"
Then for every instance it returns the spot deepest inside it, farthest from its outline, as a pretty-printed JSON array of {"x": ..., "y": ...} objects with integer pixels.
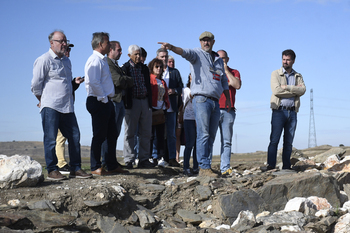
[
  {"x": 189, "y": 216},
  {"x": 204, "y": 192},
  {"x": 41, "y": 205},
  {"x": 244, "y": 221},
  {"x": 109, "y": 224},
  {"x": 343, "y": 224}
]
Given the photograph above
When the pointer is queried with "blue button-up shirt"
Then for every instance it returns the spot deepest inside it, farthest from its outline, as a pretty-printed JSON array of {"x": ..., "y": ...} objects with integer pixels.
[{"x": 288, "y": 102}]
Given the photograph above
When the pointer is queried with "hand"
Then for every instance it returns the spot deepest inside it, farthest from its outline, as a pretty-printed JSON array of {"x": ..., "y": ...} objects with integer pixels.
[
  {"x": 79, "y": 80},
  {"x": 283, "y": 87},
  {"x": 171, "y": 91},
  {"x": 166, "y": 45},
  {"x": 228, "y": 104},
  {"x": 39, "y": 104}
]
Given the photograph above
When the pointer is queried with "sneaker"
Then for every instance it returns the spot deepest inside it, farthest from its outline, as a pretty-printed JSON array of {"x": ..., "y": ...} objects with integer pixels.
[
  {"x": 145, "y": 164},
  {"x": 155, "y": 162},
  {"x": 64, "y": 170},
  {"x": 56, "y": 175},
  {"x": 187, "y": 172},
  {"x": 162, "y": 163},
  {"x": 173, "y": 163},
  {"x": 227, "y": 172},
  {"x": 128, "y": 165},
  {"x": 80, "y": 174},
  {"x": 207, "y": 172},
  {"x": 195, "y": 171}
]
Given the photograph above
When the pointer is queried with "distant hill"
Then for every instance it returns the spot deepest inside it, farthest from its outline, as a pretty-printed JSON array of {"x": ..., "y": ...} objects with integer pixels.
[{"x": 36, "y": 149}]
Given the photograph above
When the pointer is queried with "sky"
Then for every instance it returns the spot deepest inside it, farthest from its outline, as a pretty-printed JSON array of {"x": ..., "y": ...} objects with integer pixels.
[{"x": 253, "y": 32}]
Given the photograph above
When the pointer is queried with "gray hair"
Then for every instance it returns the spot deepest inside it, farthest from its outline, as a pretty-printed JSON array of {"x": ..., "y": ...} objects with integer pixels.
[
  {"x": 97, "y": 38},
  {"x": 161, "y": 50},
  {"x": 171, "y": 58},
  {"x": 133, "y": 48},
  {"x": 52, "y": 33}
]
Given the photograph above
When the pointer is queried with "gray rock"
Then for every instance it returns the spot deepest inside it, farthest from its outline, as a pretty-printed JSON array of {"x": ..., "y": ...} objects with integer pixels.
[
  {"x": 283, "y": 188},
  {"x": 204, "y": 192},
  {"x": 189, "y": 216},
  {"x": 284, "y": 218},
  {"x": 19, "y": 171},
  {"x": 109, "y": 225},
  {"x": 42, "y": 205},
  {"x": 342, "y": 178},
  {"x": 146, "y": 218},
  {"x": 323, "y": 157},
  {"x": 8, "y": 230},
  {"x": 152, "y": 187},
  {"x": 324, "y": 225},
  {"x": 176, "y": 222},
  {"x": 244, "y": 221},
  {"x": 95, "y": 203},
  {"x": 229, "y": 205},
  {"x": 135, "y": 229}
]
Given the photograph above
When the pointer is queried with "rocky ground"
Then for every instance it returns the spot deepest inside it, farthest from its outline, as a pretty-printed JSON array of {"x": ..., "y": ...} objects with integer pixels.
[{"x": 163, "y": 199}]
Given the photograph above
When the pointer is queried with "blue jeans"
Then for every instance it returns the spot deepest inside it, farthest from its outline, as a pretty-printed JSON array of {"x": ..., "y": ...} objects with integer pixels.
[
  {"x": 171, "y": 135},
  {"x": 119, "y": 116},
  {"x": 282, "y": 120},
  {"x": 103, "y": 128},
  {"x": 190, "y": 136},
  {"x": 207, "y": 113},
  {"x": 53, "y": 120},
  {"x": 226, "y": 132}
]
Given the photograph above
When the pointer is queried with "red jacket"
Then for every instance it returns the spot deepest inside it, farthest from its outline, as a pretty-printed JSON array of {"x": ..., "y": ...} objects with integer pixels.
[{"x": 154, "y": 86}]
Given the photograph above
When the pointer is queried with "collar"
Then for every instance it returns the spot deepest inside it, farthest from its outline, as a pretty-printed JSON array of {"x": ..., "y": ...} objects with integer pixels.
[
  {"x": 54, "y": 55},
  {"x": 98, "y": 54},
  {"x": 285, "y": 72}
]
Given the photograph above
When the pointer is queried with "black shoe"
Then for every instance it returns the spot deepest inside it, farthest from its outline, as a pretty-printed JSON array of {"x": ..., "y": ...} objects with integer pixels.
[
  {"x": 64, "y": 170},
  {"x": 155, "y": 162},
  {"x": 173, "y": 163},
  {"x": 266, "y": 168},
  {"x": 146, "y": 164},
  {"x": 128, "y": 165}
]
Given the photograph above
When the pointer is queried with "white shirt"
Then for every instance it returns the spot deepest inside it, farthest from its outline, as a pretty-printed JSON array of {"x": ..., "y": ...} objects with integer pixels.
[
  {"x": 189, "y": 112},
  {"x": 52, "y": 80},
  {"x": 98, "y": 78},
  {"x": 166, "y": 79}
]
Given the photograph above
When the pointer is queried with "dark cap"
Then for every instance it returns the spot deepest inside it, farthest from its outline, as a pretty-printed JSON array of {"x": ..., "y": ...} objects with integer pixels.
[
  {"x": 206, "y": 34},
  {"x": 70, "y": 45}
]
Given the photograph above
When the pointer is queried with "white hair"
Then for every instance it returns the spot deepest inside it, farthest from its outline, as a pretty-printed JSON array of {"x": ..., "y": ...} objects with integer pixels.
[
  {"x": 171, "y": 58},
  {"x": 133, "y": 48}
]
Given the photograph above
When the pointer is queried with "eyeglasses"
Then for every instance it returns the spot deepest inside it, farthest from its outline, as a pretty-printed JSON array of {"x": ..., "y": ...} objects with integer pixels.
[
  {"x": 158, "y": 67},
  {"x": 61, "y": 41}
]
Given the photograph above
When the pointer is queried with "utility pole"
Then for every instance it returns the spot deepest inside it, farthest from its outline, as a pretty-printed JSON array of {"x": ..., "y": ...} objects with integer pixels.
[{"x": 312, "y": 129}]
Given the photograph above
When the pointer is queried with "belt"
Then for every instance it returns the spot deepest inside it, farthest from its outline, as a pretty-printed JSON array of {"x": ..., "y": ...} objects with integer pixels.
[
  {"x": 212, "y": 98},
  {"x": 286, "y": 108}
]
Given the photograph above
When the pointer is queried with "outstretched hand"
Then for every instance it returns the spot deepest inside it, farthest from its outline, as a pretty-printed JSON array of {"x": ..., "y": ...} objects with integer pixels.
[{"x": 166, "y": 45}]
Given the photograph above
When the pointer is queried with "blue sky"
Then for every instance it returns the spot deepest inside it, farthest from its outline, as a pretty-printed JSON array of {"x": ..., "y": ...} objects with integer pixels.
[{"x": 253, "y": 32}]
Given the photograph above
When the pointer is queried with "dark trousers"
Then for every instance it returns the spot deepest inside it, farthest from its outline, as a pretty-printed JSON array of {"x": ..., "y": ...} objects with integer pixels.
[{"x": 103, "y": 127}]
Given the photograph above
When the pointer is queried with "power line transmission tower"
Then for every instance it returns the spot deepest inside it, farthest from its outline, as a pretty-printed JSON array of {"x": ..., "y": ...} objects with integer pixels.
[{"x": 312, "y": 129}]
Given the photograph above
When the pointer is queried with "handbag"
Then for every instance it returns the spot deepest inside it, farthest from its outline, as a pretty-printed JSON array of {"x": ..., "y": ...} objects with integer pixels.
[{"x": 158, "y": 116}]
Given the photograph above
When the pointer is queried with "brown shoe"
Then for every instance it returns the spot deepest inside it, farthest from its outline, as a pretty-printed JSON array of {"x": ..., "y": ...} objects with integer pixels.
[
  {"x": 207, "y": 172},
  {"x": 99, "y": 172},
  {"x": 173, "y": 163},
  {"x": 56, "y": 175},
  {"x": 80, "y": 174},
  {"x": 118, "y": 170}
]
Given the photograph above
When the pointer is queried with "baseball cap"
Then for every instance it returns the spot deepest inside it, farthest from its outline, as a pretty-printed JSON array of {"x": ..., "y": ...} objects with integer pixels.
[{"x": 206, "y": 34}]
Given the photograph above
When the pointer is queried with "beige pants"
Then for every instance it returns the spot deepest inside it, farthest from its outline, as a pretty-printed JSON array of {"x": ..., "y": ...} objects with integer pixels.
[{"x": 60, "y": 144}]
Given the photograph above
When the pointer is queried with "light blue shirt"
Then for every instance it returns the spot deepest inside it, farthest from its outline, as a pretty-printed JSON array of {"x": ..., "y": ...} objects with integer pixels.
[
  {"x": 98, "y": 78},
  {"x": 208, "y": 76},
  {"x": 288, "y": 102},
  {"x": 52, "y": 80}
]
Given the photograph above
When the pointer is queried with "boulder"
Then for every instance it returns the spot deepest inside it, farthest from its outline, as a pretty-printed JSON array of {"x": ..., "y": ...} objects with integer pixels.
[
  {"x": 19, "y": 171},
  {"x": 244, "y": 221},
  {"x": 343, "y": 224},
  {"x": 278, "y": 191},
  {"x": 333, "y": 151},
  {"x": 230, "y": 205}
]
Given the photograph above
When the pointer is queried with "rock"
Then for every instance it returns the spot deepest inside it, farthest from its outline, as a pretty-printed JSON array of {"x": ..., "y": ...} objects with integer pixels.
[
  {"x": 331, "y": 161},
  {"x": 346, "y": 188},
  {"x": 300, "y": 204},
  {"x": 19, "y": 171},
  {"x": 244, "y": 221},
  {"x": 278, "y": 191},
  {"x": 346, "y": 205},
  {"x": 324, "y": 213},
  {"x": 289, "y": 229},
  {"x": 229, "y": 205},
  {"x": 343, "y": 178},
  {"x": 323, "y": 157},
  {"x": 146, "y": 218},
  {"x": 41, "y": 205},
  {"x": 304, "y": 165},
  {"x": 320, "y": 203},
  {"x": 109, "y": 225},
  {"x": 189, "y": 216},
  {"x": 324, "y": 225},
  {"x": 284, "y": 218},
  {"x": 204, "y": 192},
  {"x": 343, "y": 166},
  {"x": 343, "y": 224}
]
